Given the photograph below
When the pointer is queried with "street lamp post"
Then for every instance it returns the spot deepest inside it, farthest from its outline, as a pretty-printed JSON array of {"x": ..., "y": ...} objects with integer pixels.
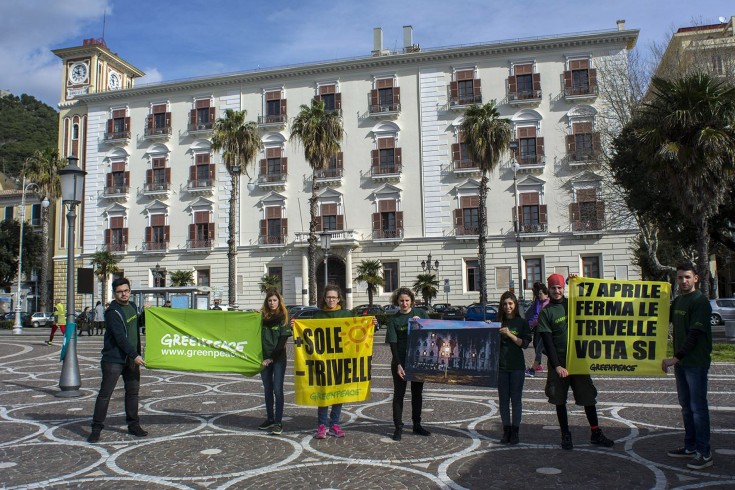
[
  {"x": 72, "y": 190},
  {"x": 326, "y": 238},
  {"x": 18, "y": 327},
  {"x": 427, "y": 266},
  {"x": 157, "y": 280},
  {"x": 517, "y": 224}
]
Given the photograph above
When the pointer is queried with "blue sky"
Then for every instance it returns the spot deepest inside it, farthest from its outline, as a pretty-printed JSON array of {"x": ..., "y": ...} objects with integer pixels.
[{"x": 171, "y": 40}]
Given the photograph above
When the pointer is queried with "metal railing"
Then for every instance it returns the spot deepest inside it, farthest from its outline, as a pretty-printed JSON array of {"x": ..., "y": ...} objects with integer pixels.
[
  {"x": 531, "y": 160},
  {"x": 588, "y": 225},
  {"x": 272, "y": 239},
  {"x": 199, "y": 243},
  {"x": 272, "y": 119},
  {"x": 465, "y": 99},
  {"x": 534, "y": 228},
  {"x": 156, "y": 186},
  {"x": 117, "y": 135},
  {"x": 162, "y": 131},
  {"x": 116, "y": 247},
  {"x": 582, "y": 89},
  {"x": 465, "y": 164},
  {"x": 329, "y": 173},
  {"x": 394, "y": 234},
  {"x": 467, "y": 230},
  {"x": 155, "y": 246},
  {"x": 199, "y": 183},
  {"x": 383, "y": 108},
  {"x": 379, "y": 170},
  {"x": 272, "y": 178},
  {"x": 201, "y": 126},
  {"x": 116, "y": 190},
  {"x": 524, "y": 95}
]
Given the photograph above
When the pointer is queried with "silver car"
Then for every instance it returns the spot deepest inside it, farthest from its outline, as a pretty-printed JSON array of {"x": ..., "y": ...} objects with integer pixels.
[
  {"x": 41, "y": 319},
  {"x": 723, "y": 310}
]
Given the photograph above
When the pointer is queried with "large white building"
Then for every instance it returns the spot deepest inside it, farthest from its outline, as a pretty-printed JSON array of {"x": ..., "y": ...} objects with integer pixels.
[{"x": 401, "y": 189}]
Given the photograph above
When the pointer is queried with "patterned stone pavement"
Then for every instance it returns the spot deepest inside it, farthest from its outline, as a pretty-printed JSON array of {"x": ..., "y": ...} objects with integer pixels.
[{"x": 203, "y": 434}]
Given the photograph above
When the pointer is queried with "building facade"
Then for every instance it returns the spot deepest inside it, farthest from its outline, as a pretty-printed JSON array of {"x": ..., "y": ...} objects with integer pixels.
[{"x": 402, "y": 188}]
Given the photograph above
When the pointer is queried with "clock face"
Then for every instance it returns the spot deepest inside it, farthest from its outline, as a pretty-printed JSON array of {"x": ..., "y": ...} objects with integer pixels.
[
  {"x": 78, "y": 73},
  {"x": 114, "y": 81}
]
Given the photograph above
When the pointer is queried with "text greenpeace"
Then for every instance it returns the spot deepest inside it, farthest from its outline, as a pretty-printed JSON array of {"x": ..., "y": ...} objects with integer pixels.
[
  {"x": 332, "y": 360},
  {"x": 203, "y": 340},
  {"x": 617, "y": 327}
]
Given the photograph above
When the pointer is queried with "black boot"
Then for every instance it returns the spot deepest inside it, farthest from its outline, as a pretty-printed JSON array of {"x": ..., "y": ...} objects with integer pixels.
[
  {"x": 397, "y": 433},
  {"x": 417, "y": 429},
  {"x": 506, "y": 435},
  {"x": 514, "y": 435}
]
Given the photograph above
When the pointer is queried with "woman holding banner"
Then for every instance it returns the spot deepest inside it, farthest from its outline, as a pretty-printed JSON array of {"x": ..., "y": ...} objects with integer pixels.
[
  {"x": 397, "y": 337},
  {"x": 515, "y": 334},
  {"x": 275, "y": 331},
  {"x": 540, "y": 300}
]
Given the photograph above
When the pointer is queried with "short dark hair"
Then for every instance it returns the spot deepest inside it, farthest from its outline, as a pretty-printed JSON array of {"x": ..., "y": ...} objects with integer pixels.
[
  {"x": 119, "y": 282},
  {"x": 539, "y": 287},
  {"x": 686, "y": 266}
]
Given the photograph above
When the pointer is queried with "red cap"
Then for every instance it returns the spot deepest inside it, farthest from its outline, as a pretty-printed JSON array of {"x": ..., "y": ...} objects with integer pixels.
[{"x": 556, "y": 280}]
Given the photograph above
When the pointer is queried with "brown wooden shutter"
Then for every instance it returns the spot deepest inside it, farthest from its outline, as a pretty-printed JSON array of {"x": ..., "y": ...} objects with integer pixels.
[
  {"x": 512, "y": 84},
  {"x": 166, "y": 232},
  {"x": 263, "y": 167},
  {"x": 340, "y": 222},
  {"x": 148, "y": 233},
  {"x": 201, "y": 217},
  {"x": 593, "y": 77},
  {"x": 110, "y": 125},
  {"x": 454, "y": 89},
  {"x": 396, "y": 95},
  {"x": 387, "y": 205},
  {"x": 168, "y": 119},
  {"x": 212, "y": 112},
  {"x": 149, "y": 177},
  {"x": 373, "y": 98},
  {"x": 397, "y": 156},
  {"x": 149, "y": 121},
  {"x": 210, "y": 231},
  {"x": 167, "y": 175},
  {"x": 263, "y": 228},
  {"x": 384, "y": 143},
  {"x": 519, "y": 212},
  {"x": 126, "y": 178},
  {"x": 458, "y": 217},
  {"x": 596, "y": 144},
  {"x": 536, "y": 81},
  {"x": 374, "y": 158},
  {"x": 568, "y": 79},
  {"x": 211, "y": 173},
  {"x": 108, "y": 236},
  {"x": 571, "y": 145},
  {"x": 574, "y": 211},
  {"x": 284, "y": 229},
  {"x": 529, "y": 198},
  {"x": 192, "y": 232},
  {"x": 587, "y": 195},
  {"x": 540, "y": 146},
  {"x": 118, "y": 166},
  {"x": 319, "y": 223},
  {"x": 340, "y": 161},
  {"x": 600, "y": 212},
  {"x": 127, "y": 124},
  {"x": 284, "y": 110},
  {"x": 109, "y": 180},
  {"x": 193, "y": 117},
  {"x": 338, "y": 101},
  {"x": 543, "y": 214},
  {"x": 476, "y": 87},
  {"x": 193, "y": 172},
  {"x": 317, "y": 98},
  {"x": 158, "y": 219},
  {"x": 202, "y": 103},
  {"x": 376, "y": 221},
  {"x": 399, "y": 220},
  {"x": 125, "y": 235},
  {"x": 284, "y": 166}
]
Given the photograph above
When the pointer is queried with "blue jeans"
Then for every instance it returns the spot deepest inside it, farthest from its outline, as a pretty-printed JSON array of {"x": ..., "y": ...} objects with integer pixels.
[
  {"x": 272, "y": 377},
  {"x": 510, "y": 389},
  {"x": 333, "y": 417},
  {"x": 691, "y": 386}
]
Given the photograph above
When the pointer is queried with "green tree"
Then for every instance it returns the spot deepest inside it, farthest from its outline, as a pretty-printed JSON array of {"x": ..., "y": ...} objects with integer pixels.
[
  {"x": 487, "y": 136},
  {"x": 240, "y": 142},
  {"x": 686, "y": 133},
  {"x": 427, "y": 285},
  {"x": 269, "y": 282},
  {"x": 9, "y": 245},
  {"x": 371, "y": 273},
  {"x": 28, "y": 125},
  {"x": 320, "y": 133},
  {"x": 182, "y": 278},
  {"x": 104, "y": 263},
  {"x": 43, "y": 169}
]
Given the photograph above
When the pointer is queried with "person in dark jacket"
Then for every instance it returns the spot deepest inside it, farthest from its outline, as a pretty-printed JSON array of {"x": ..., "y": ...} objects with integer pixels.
[
  {"x": 120, "y": 356},
  {"x": 275, "y": 331}
]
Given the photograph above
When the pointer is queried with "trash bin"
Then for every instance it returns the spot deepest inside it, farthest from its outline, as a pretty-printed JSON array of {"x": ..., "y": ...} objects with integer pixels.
[{"x": 730, "y": 330}]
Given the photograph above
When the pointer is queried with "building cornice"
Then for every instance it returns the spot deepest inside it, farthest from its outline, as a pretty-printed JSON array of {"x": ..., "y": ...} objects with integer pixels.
[{"x": 514, "y": 47}]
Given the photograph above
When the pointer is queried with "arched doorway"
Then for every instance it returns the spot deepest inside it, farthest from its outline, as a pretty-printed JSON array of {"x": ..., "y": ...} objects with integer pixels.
[{"x": 336, "y": 273}]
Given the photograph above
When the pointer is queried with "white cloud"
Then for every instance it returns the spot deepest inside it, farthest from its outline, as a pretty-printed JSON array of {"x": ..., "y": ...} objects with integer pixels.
[{"x": 152, "y": 75}]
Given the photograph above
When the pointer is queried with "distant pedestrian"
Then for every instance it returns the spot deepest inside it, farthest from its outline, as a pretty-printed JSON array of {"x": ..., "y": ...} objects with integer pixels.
[
  {"x": 120, "y": 357},
  {"x": 59, "y": 321},
  {"x": 217, "y": 305},
  {"x": 540, "y": 300},
  {"x": 99, "y": 318},
  {"x": 275, "y": 330}
]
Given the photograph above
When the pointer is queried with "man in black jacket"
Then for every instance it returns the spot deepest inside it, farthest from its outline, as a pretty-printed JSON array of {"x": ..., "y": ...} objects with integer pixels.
[{"x": 120, "y": 356}]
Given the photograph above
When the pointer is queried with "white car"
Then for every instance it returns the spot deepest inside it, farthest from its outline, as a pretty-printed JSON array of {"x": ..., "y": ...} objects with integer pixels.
[{"x": 41, "y": 319}]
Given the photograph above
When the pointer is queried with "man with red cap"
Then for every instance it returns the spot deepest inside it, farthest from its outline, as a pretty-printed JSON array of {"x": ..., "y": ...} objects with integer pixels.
[{"x": 553, "y": 328}]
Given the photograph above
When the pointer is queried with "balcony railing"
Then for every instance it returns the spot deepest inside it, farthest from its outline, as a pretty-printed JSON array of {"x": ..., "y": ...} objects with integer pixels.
[
  {"x": 464, "y": 165},
  {"x": 198, "y": 243},
  {"x": 201, "y": 126},
  {"x": 272, "y": 119},
  {"x": 155, "y": 246},
  {"x": 580, "y": 90},
  {"x": 381, "y": 170},
  {"x": 272, "y": 239},
  {"x": 531, "y": 160},
  {"x": 272, "y": 178},
  {"x": 329, "y": 173},
  {"x": 521, "y": 95},
  {"x": 534, "y": 228},
  {"x": 199, "y": 183},
  {"x": 162, "y": 131},
  {"x": 584, "y": 156},
  {"x": 384, "y": 108},
  {"x": 116, "y": 190},
  {"x": 156, "y": 187},
  {"x": 393, "y": 234},
  {"x": 117, "y": 135},
  {"x": 467, "y": 231},
  {"x": 465, "y": 100},
  {"x": 116, "y": 247},
  {"x": 586, "y": 225}
]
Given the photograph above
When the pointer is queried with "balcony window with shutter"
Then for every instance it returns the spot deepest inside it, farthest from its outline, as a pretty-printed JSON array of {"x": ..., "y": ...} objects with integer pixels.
[
  {"x": 390, "y": 276},
  {"x": 588, "y": 212},
  {"x": 385, "y": 97},
  {"x": 202, "y": 117},
  {"x": 158, "y": 122},
  {"x": 331, "y": 98},
  {"x": 118, "y": 126},
  {"x": 158, "y": 177},
  {"x": 461, "y": 159},
  {"x": 533, "y": 217},
  {"x": 583, "y": 145},
  {"x": 201, "y": 174},
  {"x": 328, "y": 219},
  {"x": 201, "y": 232},
  {"x": 580, "y": 79},
  {"x": 530, "y": 147},
  {"x": 117, "y": 180},
  {"x": 387, "y": 222},
  {"x": 275, "y": 108},
  {"x": 116, "y": 236},
  {"x": 465, "y": 89},
  {"x": 524, "y": 84},
  {"x": 591, "y": 266},
  {"x": 157, "y": 234},
  {"x": 467, "y": 216},
  {"x": 386, "y": 160},
  {"x": 274, "y": 167},
  {"x": 274, "y": 228}
]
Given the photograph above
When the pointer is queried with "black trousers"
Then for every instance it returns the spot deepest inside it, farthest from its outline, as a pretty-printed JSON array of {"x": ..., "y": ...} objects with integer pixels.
[
  {"x": 399, "y": 392},
  {"x": 110, "y": 374}
]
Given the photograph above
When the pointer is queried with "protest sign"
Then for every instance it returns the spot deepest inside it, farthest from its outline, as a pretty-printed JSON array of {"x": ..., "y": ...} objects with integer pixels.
[
  {"x": 332, "y": 360},
  {"x": 203, "y": 340},
  {"x": 617, "y": 327},
  {"x": 453, "y": 352}
]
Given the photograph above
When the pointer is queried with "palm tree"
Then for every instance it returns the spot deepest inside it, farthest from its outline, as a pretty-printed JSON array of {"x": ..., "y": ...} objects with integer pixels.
[
  {"x": 427, "y": 285},
  {"x": 182, "y": 278},
  {"x": 105, "y": 263},
  {"x": 269, "y": 282},
  {"x": 320, "y": 133},
  {"x": 370, "y": 272},
  {"x": 240, "y": 142},
  {"x": 42, "y": 168},
  {"x": 688, "y": 138},
  {"x": 487, "y": 136}
]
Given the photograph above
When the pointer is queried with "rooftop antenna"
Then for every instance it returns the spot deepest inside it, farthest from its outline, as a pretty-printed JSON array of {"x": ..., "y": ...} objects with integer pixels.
[
  {"x": 722, "y": 19},
  {"x": 104, "y": 21}
]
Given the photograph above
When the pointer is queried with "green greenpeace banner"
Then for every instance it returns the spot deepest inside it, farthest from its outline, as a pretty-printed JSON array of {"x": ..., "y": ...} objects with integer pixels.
[{"x": 203, "y": 340}]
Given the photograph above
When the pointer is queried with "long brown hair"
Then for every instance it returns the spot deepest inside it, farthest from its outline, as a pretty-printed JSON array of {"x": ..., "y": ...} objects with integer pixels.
[
  {"x": 266, "y": 311},
  {"x": 501, "y": 313}
]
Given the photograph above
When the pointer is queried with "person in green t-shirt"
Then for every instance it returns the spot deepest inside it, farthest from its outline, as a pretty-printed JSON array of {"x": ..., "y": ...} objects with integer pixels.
[
  {"x": 274, "y": 332},
  {"x": 515, "y": 335},
  {"x": 690, "y": 315},
  {"x": 397, "y": 336}
]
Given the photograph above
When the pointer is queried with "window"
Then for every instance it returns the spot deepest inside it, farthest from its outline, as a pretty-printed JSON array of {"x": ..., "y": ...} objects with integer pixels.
[
  {"x": 387, "y": 158},
  {"x": 159, "y": 278},
  {"x": 465, "y": 89},
  {"x": 329, "y": 219},
  {"x": 460, "y": 155},
  {"x": 533, "y": 217},
  {"x": 118, "y": 126},
  {"x": 158, "y": 121},
  {"x": 118, "y": 179},
  {"x": 202, "y": 116},
  {"x": 36, "y": 215},
  {"x": 473, "y": 274},
  {"x": 8, "y": 213},
  {"x": 390, "y": 276},
  {"x": 75, "y": 132},
  {"x": 202, "y": 277},
  {"x": 584, "y": 143},
  {"x": 591, "y": 266},
  {"x": 116, "y": 236},
  {"x": 273, "y": 228},
  {"x": 158, "y": 177},
  {"x": 275, "y": 108},
  {"x": 387, "y": 222},
  {"x": 580, "y": 79},
  {"x": 530, "y": 147},
  {"x": 157, "y": 234},
  {"x": 277, "y": 272},
  {"x": 502, "y": 278},
  {"x": 385, "y": 97},
  {"x": 274, "y": 167},
  {"x": 524, "y": 84},
  {"x": 201, "y": 232},
  {"x": 331, "y": 98},
  {"x": 201, "y": 174},
  {"x": 588, "y": 212},
  {"x": 334, "y": 168},
  {"x": 467, "y": 216},
  {"x": 534, "y": 272}
]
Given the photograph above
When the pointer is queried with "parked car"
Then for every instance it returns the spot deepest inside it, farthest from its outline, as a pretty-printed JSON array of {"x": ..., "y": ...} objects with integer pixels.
[
  {"x": 367, "y": 310},
  {"x": 304, "y": 312},
  {"x": 41, "y": 319},
  {"x": 24, "y": 317},
  {"x": 390, "y": 309},
  {"x": 440, "y": 307},
  {"x": 427, "y": 308},
  {"x": 454, "y": 313},
  {"x": 474, "y": 313},
  {"x": 723, "y": 310}
]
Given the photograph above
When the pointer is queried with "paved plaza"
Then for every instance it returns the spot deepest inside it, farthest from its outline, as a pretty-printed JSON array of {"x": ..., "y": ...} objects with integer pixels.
[{"x": 203, "y": 433}]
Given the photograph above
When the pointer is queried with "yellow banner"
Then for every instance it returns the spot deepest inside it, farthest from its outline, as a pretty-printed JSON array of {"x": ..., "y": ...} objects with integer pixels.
[
  {"x": 332, "y": 360},
  {"x": 617, "y": 328}
]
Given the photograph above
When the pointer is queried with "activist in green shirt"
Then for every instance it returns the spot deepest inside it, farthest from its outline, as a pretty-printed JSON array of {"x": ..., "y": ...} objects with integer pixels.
[
  {"x": 690, "y": 315},
  {"x": 553, "y": 327},
  {"x": 274, "y": 332},
  {"x": 515, "y": 335},
  {"x": 397, "y": 337}
]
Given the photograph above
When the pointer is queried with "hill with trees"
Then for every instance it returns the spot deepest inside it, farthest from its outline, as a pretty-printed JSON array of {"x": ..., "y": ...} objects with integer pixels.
[{"x": 26, "y": 125}]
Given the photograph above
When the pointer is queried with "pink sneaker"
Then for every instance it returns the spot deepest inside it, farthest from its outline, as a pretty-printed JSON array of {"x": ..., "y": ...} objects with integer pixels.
[
  {"x": 321, "y": 432},
  {"x": 336, "y": 431},
  {"x": 539, "y": 368}
]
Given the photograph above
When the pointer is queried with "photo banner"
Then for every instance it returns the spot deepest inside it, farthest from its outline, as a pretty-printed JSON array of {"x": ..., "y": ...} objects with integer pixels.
[
  {"x": 617, "y": 328},
  {"x": 214, "y": 341},
  {"x": 333, "y": 360},
  {"x": 453, "y": 352}
]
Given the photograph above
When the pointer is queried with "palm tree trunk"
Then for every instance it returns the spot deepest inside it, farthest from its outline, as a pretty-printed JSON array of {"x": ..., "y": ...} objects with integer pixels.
[
  {"x": 312, "y": 241},
  {"x": 231, "y": 242},
  {"x": 370, "y": 294},
  {"x": 43, "y": 273},
  {"x": 482, "y": 216},
  {"x": 703, "y": 255}
]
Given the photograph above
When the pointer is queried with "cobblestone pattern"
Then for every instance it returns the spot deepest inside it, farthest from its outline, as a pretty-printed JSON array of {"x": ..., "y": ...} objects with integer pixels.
[{"x": 203, "y": 434}]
